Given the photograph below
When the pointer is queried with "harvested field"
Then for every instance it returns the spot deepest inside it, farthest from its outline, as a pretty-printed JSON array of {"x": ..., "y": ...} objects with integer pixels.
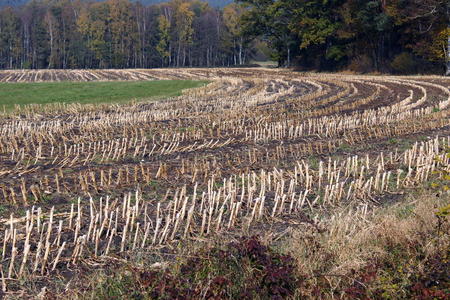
[
  {"x": 254, "y": 151},
  {"x": 94, "y": 75}
]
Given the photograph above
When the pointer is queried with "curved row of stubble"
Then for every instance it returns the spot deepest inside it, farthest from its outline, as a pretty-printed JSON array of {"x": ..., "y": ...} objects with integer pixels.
[{"x": 254, "y": 146}]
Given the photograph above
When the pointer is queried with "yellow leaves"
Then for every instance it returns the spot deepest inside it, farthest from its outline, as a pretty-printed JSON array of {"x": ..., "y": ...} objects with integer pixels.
[
  {"x": 164, "y": 27},
  {"x": 443, "y": 211},
  {"x": 231, "y": 14},
  {"x": 83, "y": 22},
  {"x": 184, "y": 17},
  {"x": 436, "y": 49},
  {"x": 434, "y": 185},
  {"x": 437, "y": 159}
]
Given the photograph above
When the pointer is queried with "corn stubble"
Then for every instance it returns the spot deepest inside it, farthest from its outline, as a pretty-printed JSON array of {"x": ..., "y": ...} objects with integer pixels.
[{"x": 222, "y": 158}]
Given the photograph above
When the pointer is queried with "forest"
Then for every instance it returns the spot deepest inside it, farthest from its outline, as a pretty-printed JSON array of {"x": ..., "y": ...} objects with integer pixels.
[
  {"x": 119, "y": 34},
  {"x": 386, "y": 36},
  {"x": 400, "y": 36}
]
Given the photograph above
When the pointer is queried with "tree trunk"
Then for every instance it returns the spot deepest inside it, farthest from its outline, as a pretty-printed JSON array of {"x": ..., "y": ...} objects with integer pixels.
[
  {"x": 170, "y": 55},
  {"x": 240, "y": 51},
  {"x": 190, "y": 57},
  {"x": 447, "y": 73},
  {"x": 288, "y": 57},
  {"x": 10, "y": 55},
  {"x": 178, "y": 54},
  {"x": 64, "y": 59},
  {"x": 50, "y": 31},
  {"x": 448, "y": 53},
  {"x": 234, "y": 52}
]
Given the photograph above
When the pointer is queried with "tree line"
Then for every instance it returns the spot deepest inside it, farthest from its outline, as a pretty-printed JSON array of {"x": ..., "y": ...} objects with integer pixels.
[
  {"x": 402, "y": 36},
  {"x": 120, "y": 34}
]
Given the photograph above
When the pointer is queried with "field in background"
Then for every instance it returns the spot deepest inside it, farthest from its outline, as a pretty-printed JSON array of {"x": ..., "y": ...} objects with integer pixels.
[
  {"x": 91, "y": 92},
  {"x": 263, "y": 184},
  {"x": 265, "y": 64}
]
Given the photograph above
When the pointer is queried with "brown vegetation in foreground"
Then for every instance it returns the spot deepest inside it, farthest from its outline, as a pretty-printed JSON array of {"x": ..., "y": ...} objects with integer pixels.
[
  {"x": 315, "y": 163},
  {"x": 400, "y": 252}
]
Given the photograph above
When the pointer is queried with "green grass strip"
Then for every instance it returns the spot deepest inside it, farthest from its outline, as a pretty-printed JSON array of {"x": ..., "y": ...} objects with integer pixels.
[{"x": 91, "y": 92}]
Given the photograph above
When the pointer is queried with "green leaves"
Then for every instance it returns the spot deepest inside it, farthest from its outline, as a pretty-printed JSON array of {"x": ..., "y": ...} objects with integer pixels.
[
  {"x": 315, "y": 31},
  {"x": 335, "y": 53},
  {"x": 163, "y": 43}
]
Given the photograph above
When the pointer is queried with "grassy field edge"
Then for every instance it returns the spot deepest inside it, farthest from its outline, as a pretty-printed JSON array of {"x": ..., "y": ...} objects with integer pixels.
[{"x": 12, "y": 94}]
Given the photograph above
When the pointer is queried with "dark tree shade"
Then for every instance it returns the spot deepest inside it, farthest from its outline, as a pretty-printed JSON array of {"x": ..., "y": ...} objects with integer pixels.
[{"x": 401, "y": 36}]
